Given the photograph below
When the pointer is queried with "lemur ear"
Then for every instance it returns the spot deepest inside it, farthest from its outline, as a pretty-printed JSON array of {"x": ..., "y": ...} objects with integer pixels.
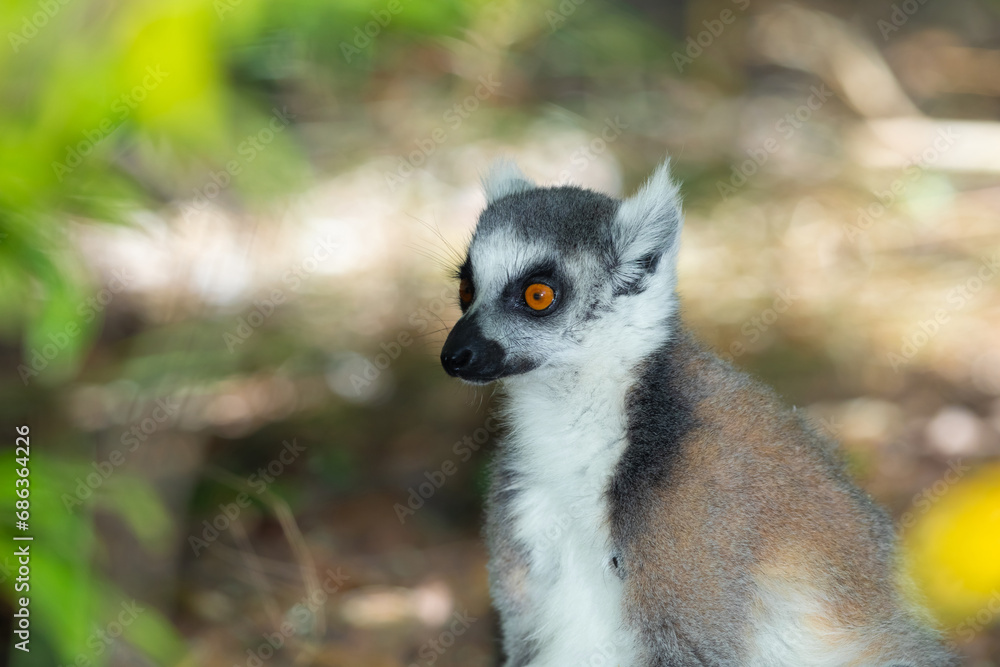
[
  {"x": 504, "y": 178},
  {"x": 647, "y": 231}
]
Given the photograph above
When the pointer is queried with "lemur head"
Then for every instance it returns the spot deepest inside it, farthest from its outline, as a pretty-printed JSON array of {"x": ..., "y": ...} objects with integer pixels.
[{"x": 561, "y": 277}]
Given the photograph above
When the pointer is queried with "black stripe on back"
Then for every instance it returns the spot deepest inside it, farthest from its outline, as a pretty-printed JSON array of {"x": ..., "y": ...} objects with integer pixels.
[{"x": 660, "y": 414}]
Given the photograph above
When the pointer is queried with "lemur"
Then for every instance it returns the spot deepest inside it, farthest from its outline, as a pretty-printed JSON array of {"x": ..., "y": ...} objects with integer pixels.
[{"x": 651, "y": 505}]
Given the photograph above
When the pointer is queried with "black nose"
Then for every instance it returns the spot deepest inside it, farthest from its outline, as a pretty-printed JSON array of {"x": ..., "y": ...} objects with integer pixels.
[
  {"x": 455, "y": 361},
  {"x": 470, "y": 355}
]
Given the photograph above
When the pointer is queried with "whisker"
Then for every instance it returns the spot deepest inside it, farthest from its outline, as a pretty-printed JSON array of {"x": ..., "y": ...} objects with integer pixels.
[
  {"x": 443, "y": 263},
  {"x": 455, "y": 257},
  {"x": 427, "y": 334}
]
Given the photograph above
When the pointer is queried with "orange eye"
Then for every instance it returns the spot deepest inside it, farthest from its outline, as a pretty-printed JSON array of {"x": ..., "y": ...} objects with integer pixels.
[
  {"x": 539, "y": 296},
  {"x": 465, "y": 291}
]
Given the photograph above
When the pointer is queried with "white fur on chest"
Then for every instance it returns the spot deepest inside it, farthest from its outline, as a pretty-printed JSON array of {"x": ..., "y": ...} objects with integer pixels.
[{"x": 565, "y": 446}]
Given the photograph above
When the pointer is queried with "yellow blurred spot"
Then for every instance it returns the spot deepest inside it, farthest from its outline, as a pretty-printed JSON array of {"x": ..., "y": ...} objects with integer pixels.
[
  {"x": 170, "y": 77},
  {"x": 953, "y": 549}
]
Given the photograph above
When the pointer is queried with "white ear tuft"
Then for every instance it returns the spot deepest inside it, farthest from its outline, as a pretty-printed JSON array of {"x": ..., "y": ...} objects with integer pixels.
[
  {"x": 647, "y": 228},
  {"x": 504, "y": 178}
]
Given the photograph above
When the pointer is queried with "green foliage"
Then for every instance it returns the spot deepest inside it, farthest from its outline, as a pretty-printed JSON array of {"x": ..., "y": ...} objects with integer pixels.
[
  {"x": 69, "y": 603},
  {"x": 114, "y": 108}
]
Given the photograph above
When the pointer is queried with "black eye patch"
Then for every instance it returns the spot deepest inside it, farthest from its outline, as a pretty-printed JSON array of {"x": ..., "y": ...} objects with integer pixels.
[{"x": 466, "y": 288}]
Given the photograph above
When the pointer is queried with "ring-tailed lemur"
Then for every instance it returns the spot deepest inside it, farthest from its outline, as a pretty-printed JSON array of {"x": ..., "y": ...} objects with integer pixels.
[{"x": 652, "y": 505}]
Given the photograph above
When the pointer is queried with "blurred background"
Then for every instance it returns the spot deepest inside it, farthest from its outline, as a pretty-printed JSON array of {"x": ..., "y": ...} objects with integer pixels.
[{"x": 226, "y": 231}]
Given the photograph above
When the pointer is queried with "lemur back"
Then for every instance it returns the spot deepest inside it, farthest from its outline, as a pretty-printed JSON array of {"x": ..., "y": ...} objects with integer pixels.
[{"x": 652, "y": 505}]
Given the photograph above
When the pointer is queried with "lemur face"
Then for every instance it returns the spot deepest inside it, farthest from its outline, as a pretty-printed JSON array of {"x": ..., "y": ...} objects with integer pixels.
[
  {"x": 553, "y": 275},
  {"x": 532, "y": 279}
]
